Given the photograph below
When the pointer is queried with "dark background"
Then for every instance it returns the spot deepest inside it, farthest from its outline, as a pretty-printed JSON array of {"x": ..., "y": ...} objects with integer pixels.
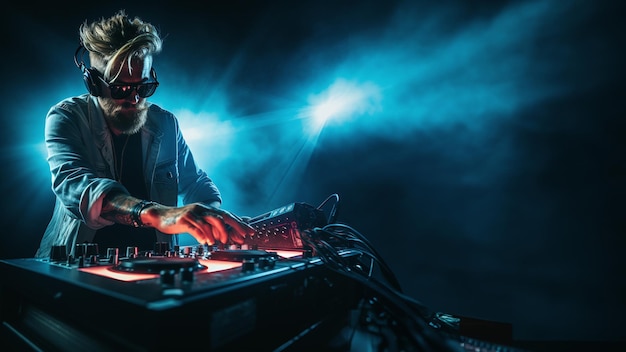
[{"x": 484, "y": 154}]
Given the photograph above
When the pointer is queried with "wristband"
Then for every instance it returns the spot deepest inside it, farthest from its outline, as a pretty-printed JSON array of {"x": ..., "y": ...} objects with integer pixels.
[{"x": 135, "y": 213}]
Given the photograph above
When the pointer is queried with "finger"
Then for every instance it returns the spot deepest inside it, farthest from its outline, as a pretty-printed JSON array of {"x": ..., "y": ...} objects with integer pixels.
[
  {"x": 223, "y": 236},
  {"x": 236, "y": 236},
  {"x": 231, "y": 231},
  {"x": 238, "y": 224},
  {"x": 200, "y": 230},
  {"x": 218, "y": 229}
]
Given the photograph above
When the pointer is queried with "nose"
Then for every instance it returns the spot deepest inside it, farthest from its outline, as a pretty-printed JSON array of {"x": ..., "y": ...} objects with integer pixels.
[{"x": 134, "y": 97}]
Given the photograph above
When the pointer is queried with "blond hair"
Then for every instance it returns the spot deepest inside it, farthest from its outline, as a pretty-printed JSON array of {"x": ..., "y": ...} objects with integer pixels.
[{"x": 116, "y": 40}]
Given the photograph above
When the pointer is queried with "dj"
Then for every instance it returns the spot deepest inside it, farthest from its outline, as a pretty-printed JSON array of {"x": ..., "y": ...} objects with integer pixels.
[{"x": 120, "y": 163}]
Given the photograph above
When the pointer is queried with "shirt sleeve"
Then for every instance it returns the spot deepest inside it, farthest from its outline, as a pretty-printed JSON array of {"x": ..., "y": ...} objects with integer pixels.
[{"x": 77, "y": 169}]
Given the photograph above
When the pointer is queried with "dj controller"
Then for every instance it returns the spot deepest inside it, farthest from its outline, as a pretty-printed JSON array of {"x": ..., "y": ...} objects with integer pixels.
[
  {"x": 226, "y": 300},
  {"x": 273, "y": 293}
]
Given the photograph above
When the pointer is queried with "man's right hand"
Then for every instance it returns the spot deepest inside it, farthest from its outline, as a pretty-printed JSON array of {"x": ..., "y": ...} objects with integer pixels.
[{"x": 206, "y": 224}]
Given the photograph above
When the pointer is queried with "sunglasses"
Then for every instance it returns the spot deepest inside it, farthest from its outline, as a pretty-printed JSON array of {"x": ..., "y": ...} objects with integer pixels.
[{"x": 123, "y": 91}]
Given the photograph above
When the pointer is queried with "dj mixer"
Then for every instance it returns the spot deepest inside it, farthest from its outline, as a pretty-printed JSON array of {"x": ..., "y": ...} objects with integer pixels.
[
  {"x": 222, "y": 300},
  {"x": 297, "y": 284}
]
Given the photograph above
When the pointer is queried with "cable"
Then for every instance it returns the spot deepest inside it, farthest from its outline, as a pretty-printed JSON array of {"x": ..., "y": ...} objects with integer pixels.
[
  {"x": 349, "y": 253},
  {"x": 334, "y": 195},
  {"x": 355, "y": 237},
  {"x": 332, "y": 216}
]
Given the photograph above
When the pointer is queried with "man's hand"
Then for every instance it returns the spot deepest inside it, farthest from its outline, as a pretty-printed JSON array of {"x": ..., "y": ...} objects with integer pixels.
[{"x": 206, "y": 224}]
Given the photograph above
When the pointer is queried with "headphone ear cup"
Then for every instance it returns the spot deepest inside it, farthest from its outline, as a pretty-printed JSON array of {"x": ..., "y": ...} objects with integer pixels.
[{"x": 90, "y": 76}]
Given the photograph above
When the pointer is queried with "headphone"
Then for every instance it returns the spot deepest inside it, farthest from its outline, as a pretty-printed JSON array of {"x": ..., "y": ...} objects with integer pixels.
[{"x": 91, "y": 75}]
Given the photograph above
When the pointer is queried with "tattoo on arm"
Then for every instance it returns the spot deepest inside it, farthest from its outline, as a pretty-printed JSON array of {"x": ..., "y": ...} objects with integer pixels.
[{"x": 117, "y": 207}]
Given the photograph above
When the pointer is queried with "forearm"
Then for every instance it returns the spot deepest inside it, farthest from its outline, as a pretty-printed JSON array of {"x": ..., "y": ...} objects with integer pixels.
[{"x": 118, "y": 207}]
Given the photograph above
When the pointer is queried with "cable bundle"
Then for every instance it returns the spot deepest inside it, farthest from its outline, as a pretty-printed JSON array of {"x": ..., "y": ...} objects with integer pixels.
[{"x": 385, "y": 316}]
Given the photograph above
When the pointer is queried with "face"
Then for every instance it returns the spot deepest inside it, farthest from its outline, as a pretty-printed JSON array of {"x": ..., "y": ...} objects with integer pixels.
[{"x": 127, "y": 115}]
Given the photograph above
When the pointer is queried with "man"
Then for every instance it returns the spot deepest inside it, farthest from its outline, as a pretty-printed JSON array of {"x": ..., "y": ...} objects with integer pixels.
[{"x": 119, "y": 163}]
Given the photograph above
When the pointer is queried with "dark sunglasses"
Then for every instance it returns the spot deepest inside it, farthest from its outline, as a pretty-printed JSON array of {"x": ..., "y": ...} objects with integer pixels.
[{"x": 123, "y": 91}]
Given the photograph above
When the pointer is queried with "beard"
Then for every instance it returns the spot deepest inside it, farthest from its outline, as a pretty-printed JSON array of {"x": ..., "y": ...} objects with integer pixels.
[{"x": 126, "y": 118}]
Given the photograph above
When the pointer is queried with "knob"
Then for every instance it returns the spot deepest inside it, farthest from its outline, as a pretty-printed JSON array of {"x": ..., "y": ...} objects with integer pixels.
[
  {"x": 132, "y": 252},
  {"x": 267, "y": 263},
  {"x": 90, "y": 249},
  {"x": 58, "y": 254},
  {"x": 247, "y": 265},
  {"x": 187, "y": 274},
  {"x": 264, "y": 263},
  {"x": 161, "y": 248},
  {"x": 113, "y": 255},
  {"x": 86, "y": 249},
  {"x": 167, "y": 277},
  {"x": 186, "y": 251},
  {"x": 79, "y": 250}
]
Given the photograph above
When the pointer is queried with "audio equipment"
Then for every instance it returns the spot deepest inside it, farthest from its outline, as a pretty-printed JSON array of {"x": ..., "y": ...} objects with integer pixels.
[
  {"x": 224, "y": 300},
  {"x": 245, "y": 300},
  {"x": 90, "y": 75},
  {"x": 282, "y": 227},
  {"x": 272, "y": 293}
]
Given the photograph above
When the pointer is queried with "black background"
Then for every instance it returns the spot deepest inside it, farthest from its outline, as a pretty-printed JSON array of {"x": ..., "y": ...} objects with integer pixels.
[{"x": 511, "y": 210}]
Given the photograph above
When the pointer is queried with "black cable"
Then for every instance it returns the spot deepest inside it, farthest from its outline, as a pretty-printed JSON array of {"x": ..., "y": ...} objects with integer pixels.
[
  {"x": 386, "y": 270},
  {"x": 328, "y": 242},
  {"x": 332, "y": 216},
  {"x": 334, "y": 195},
  {"x": 424, "y": 337}
]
